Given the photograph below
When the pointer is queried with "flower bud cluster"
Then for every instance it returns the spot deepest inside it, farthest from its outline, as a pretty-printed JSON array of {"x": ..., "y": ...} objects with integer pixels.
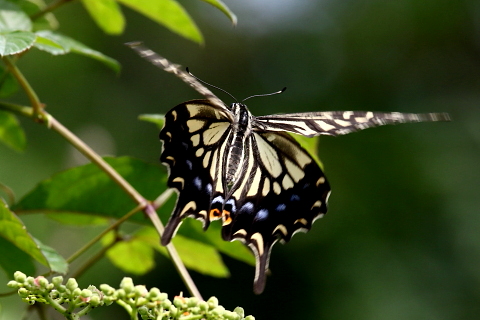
[
  {"x": 149, "y": 304},
  {"x": 56, "y": 293}
]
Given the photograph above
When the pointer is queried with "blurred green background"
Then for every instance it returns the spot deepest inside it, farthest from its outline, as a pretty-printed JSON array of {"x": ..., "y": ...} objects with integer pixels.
[{"x": 401, "y": 239}]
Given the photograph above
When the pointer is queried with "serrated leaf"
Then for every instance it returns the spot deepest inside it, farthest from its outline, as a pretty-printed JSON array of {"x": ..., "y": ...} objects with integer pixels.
[
  {"x": 11, "y": 133},
  {"x": 157, "y": 119},
  {"x": 56, "y": 262},
  {"x": 196, "y": 255},
  {"x": 12, "y": 18},
  {"x": 71, "y": 45},
  {"x": 15, "y": 42},
  {"x": 168, "y": 13},
  {"x": 46, "y": 21},
  {"x": 106, "y": 14},
  {"x": 223, "y": 7},
  {"x": 12, "y": 229}
]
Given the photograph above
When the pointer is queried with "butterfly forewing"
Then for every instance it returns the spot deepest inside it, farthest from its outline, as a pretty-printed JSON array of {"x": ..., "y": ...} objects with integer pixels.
[
  {"x": 339, "y": 122},
  {"x": 192, "y": 136}
]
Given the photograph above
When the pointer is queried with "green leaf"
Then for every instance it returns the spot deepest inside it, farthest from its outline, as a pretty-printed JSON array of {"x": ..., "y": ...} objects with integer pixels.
[
  {"x": 223, "y": 7},
  {"x": 158, "y": 119},
  {"x": 77, "y": 219},
  {"x": 12, "y": 18},
  {"x": 12, "y": 229},
  {"x": 71, "y": 45},
  {"x": 134, "y": 256},
  {"x": 195, "y": 255},
  {"x": 49, "y": 46},
  {"x": 46, "y": 21},
  {"x": 13, "y": 259},
  {"x": 168, "y": 13},
  {"x": 15, "y": 42},
  {"x": 237, "y": 250},
  {"x": 88, "y": 190},
  {"x": 11, "y": 133},
  {"x": 107, "y": 14},
  {"x": 56, "y": 262}
]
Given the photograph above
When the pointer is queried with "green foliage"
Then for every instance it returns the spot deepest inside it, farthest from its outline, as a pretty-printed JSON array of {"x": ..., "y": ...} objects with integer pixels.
[
  {"x": 72, "y": 302},
  {"x": 11, "y": 133},
  {"x": 13, "y": 230},
  {"x": 87, "y": 190}
]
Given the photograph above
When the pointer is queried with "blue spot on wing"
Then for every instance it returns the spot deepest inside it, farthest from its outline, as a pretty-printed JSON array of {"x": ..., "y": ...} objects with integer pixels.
[
  {"x": 262, "y": 214},
  {"x": 294, "y": 197},
  {"x": 198, "y": 183},
  {"x": 247, "y": 208},
  {"x": 189, "y": 164},
  {"x": 208, "y": 188}
]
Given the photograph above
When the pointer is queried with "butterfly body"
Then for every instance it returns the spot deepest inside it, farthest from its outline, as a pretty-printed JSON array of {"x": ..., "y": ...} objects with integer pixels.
[
  {"x": 236, "y": 155},
  {"x": 248, "y": 171}
]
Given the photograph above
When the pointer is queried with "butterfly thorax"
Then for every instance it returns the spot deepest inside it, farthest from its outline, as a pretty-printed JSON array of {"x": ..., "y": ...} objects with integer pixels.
[{"x": 241, "y": 130}]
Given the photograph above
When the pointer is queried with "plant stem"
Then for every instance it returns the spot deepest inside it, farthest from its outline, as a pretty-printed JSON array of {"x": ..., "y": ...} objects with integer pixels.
[
  {"x": 32, "y": 96},
  {"x": 22, "y": 110},
  {"x": 84, "y": 311}
]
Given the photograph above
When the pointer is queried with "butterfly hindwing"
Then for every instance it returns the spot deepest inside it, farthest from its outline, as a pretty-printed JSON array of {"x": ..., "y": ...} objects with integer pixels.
[
  {"x": 192, "y": 137},
  {"x": 283, "y": 192}
]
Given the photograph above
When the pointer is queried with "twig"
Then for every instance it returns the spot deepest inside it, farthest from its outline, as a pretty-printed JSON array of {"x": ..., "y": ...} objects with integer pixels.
[{"x": 32, "y": 96}]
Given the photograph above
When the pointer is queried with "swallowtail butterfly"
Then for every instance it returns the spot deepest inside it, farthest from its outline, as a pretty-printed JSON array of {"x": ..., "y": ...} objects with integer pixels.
[{"x": 248, "y": 171}]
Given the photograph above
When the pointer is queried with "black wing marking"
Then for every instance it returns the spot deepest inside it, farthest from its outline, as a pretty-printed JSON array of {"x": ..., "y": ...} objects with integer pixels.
[
  {"x": 193, "y": 136},
  {"x": 168, "y": 66},
  {"x": 283, "y": 191},
  {"x": 338, "y": 122}
]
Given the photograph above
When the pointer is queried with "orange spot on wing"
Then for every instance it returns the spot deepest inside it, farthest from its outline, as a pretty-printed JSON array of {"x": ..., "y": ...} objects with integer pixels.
[
  {"x": 227, "y": 219},
  {"x": 215, "y": 214}
]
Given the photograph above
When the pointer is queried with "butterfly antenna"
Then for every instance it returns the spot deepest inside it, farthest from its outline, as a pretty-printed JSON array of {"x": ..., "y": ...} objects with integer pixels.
[
  {"x": 265, "y": 94},
  {"x": 211, "y": 85}
]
